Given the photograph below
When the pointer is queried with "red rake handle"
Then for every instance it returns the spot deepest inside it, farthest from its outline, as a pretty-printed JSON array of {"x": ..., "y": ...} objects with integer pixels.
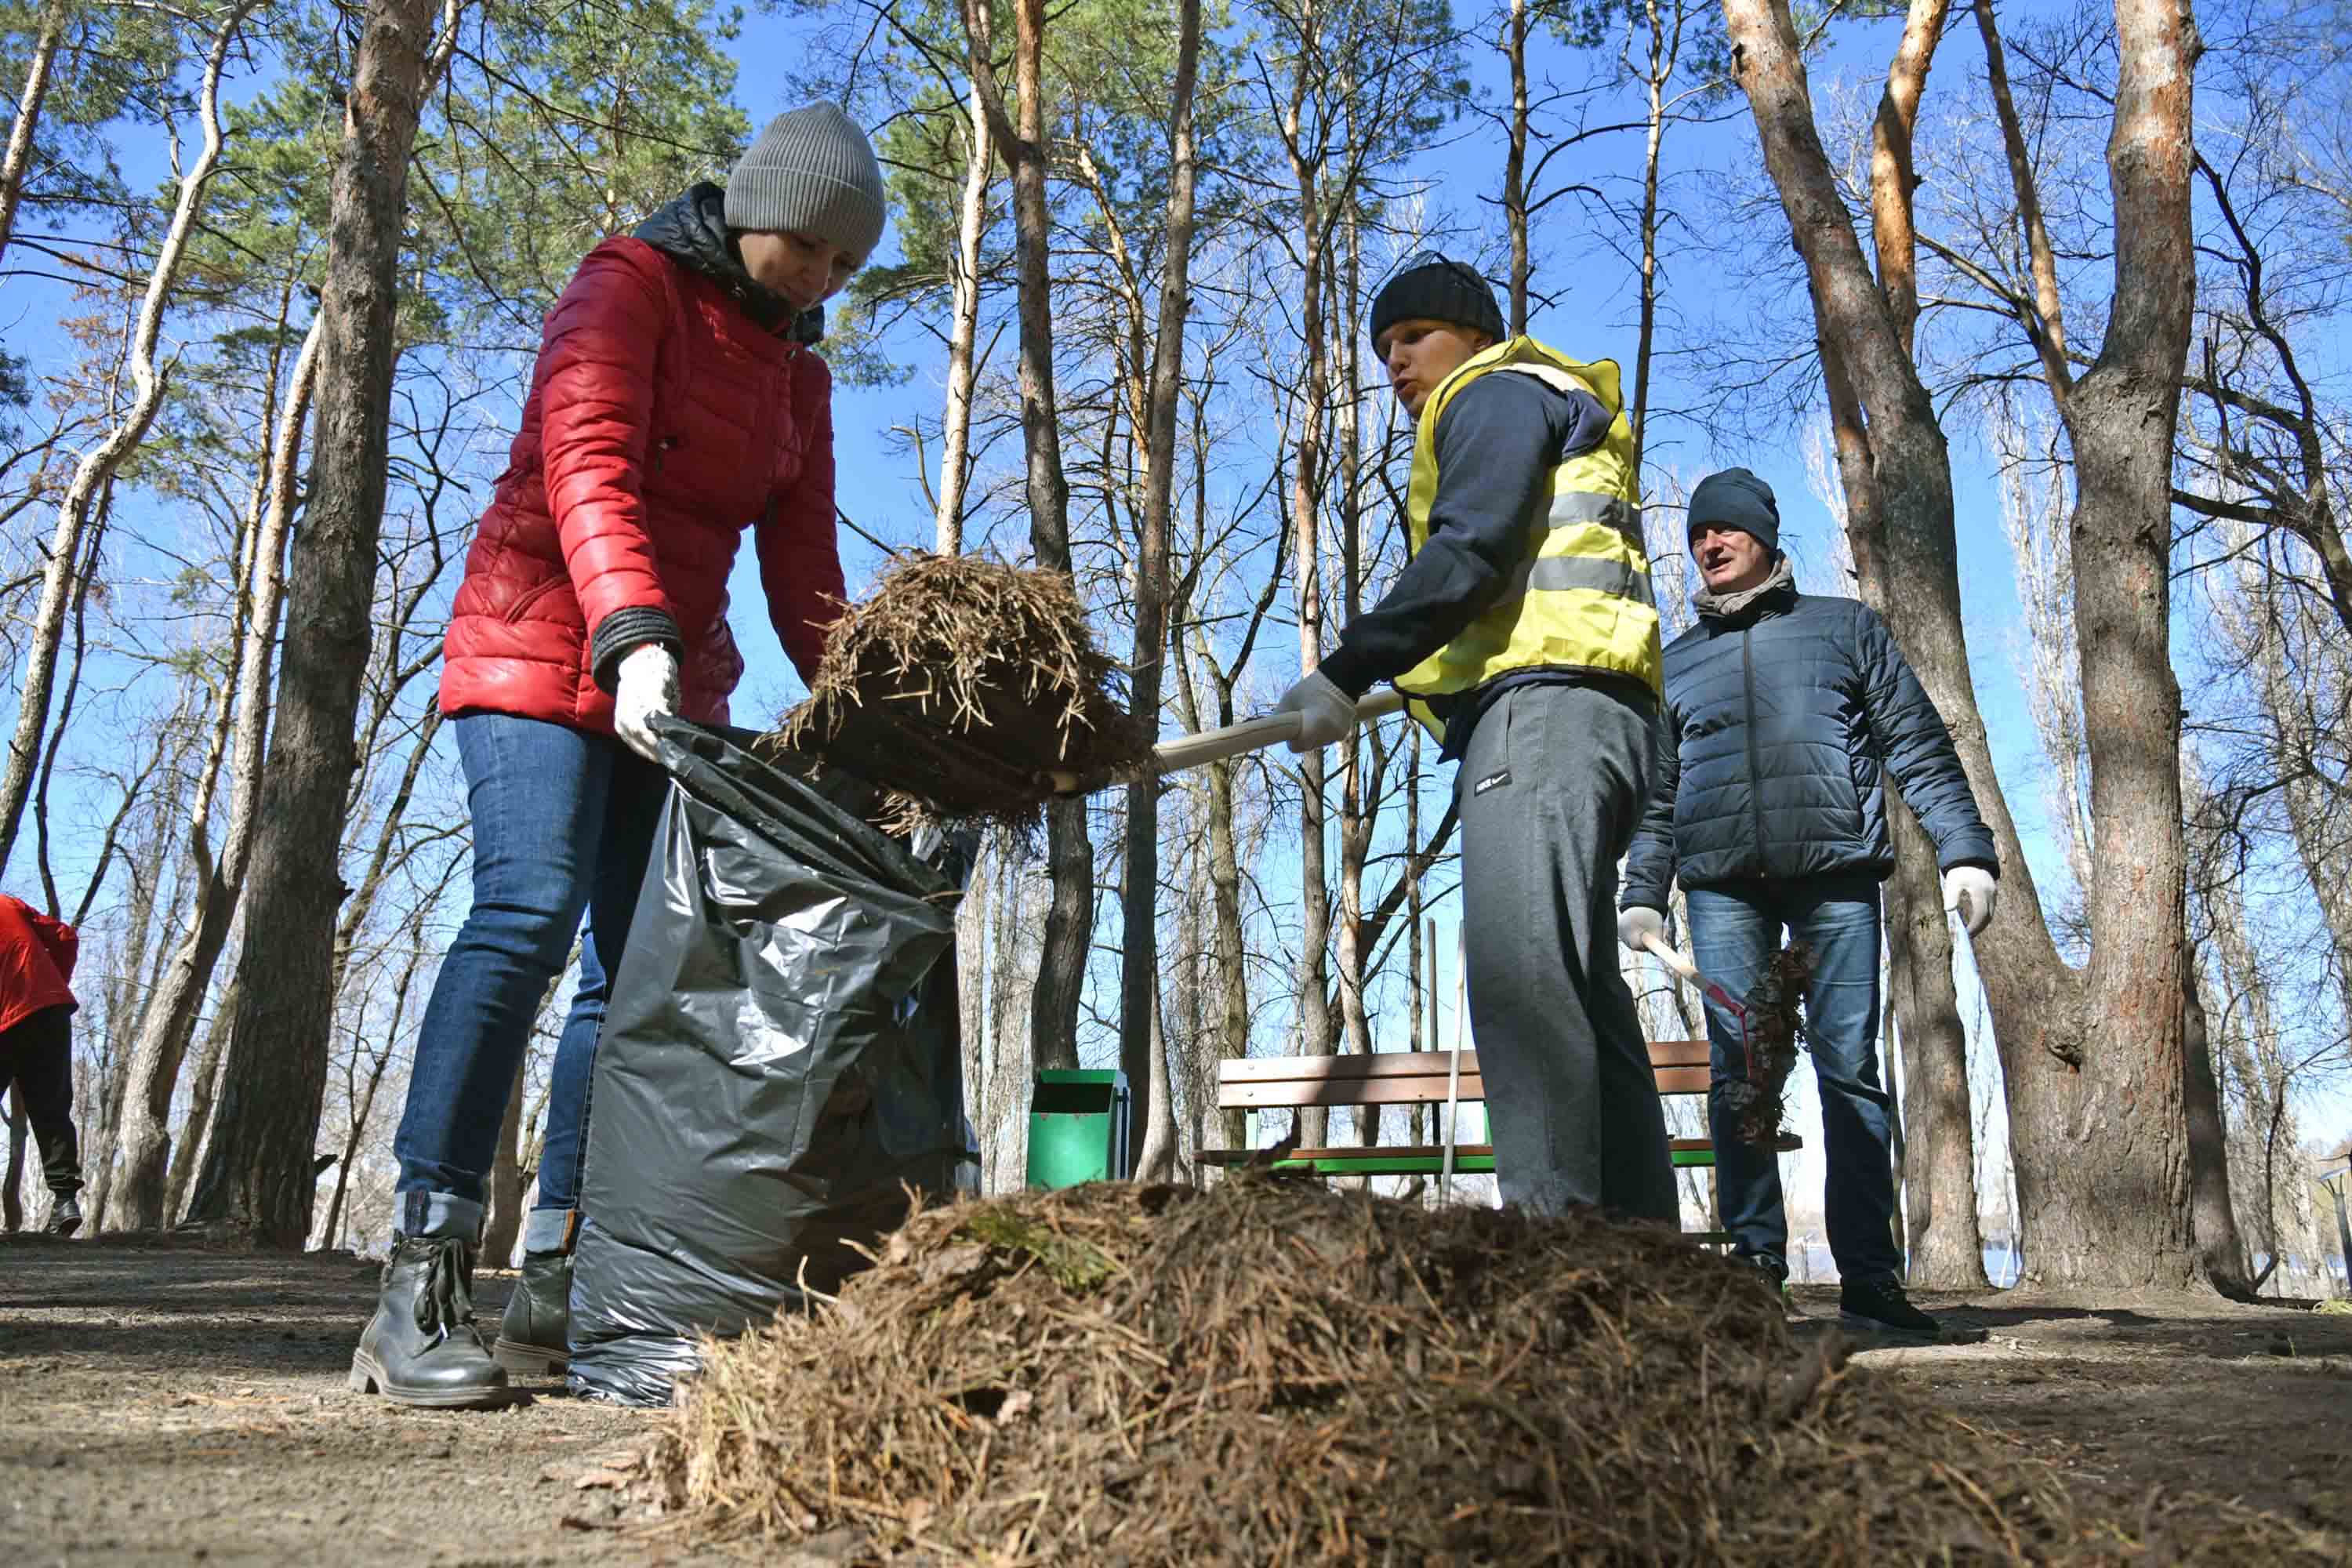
[{"x": 1681, "y": 964}]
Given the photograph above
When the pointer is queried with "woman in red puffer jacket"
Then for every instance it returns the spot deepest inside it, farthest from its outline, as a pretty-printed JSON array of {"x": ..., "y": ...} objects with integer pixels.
[{"x": 676, "y": 403}]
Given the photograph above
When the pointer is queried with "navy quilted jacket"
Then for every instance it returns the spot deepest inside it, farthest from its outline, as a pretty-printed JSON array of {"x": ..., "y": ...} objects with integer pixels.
[{"x": 1781, "y": 726}]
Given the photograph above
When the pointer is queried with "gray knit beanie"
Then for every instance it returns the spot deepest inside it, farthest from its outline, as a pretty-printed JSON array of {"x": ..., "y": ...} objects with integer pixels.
[{"x": 810, "y": 172}]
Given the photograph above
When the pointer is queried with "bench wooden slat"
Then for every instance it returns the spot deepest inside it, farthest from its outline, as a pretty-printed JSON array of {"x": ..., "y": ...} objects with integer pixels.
[
  {"x": 1354, "y": 1065},
  {"x": 1410, "y": 1150},
  {"x": 1407, "y": 1078},
  {"x": 1344, "y": 1091},
  {"x": 1405, "y": 1158},
  {"x": 1409, "y": 1064}
]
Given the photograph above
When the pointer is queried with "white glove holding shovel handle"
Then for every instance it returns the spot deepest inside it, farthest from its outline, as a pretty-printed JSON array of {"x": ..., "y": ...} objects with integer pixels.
[
  {"x": 1288, "y": 726},
  {"x": 1643, "y": 930}
]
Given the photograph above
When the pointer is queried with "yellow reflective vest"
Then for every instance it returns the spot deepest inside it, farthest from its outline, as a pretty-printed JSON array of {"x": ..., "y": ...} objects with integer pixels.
[{"x": 1581, "y": 598}]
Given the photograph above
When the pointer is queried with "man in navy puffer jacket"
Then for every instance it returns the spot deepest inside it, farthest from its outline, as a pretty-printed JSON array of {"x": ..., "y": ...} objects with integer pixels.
[{"x": 1786, "y": 714}]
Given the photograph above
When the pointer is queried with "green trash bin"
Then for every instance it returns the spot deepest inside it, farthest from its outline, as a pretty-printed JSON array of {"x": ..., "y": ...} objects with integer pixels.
[{"x": 1077, "y": 1127}]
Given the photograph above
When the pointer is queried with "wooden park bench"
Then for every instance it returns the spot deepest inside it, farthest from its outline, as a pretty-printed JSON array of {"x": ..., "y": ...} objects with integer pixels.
[{"x": 1417, "y": 1077}]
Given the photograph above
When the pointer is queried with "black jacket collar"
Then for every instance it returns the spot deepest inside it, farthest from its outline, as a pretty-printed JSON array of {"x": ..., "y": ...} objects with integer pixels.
[{"x": 692, "y": 230}]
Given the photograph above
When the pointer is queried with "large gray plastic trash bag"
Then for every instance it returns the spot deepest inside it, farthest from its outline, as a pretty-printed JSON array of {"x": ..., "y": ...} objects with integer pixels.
[{"x": 780, "y": 1060}]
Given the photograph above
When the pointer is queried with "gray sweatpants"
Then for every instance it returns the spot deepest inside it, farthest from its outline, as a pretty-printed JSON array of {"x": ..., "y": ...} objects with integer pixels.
[{"x": 1549, "y": 791}]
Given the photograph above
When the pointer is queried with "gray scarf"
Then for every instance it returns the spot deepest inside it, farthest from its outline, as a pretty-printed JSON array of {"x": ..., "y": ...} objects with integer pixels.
[{"x": 1725, "y": 605}]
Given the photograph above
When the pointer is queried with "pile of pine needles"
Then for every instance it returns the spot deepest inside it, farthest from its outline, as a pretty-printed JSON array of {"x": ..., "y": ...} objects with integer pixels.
[
  {"x": 1271, "y": 1373},
  {"x": 961, "y": 685}
]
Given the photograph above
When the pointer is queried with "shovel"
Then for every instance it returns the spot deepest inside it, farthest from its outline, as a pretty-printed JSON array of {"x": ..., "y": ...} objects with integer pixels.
[
  {"x": 1680, "y": 962},
  {"x": 1213, "y": 745}
]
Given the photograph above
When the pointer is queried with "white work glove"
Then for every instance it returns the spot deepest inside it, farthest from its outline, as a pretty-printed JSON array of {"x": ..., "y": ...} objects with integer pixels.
[
  {"x": 1638, "y": 923},
  {"x": 1971, "y": 889},
  {"x": 647, "y": 685},
  {"x": 1325, "y": 713}
]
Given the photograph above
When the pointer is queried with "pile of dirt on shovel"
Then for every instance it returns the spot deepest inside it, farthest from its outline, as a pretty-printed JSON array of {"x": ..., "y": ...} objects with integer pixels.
[
  {"x": 959, "y": 684},
  {"x": 1270, "y": 1374}
]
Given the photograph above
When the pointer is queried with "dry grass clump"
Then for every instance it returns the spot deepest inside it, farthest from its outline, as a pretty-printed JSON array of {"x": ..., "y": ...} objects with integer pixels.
[
  {"x": 1271, "y": 1373},
  {"x": 959, "y": 683}
]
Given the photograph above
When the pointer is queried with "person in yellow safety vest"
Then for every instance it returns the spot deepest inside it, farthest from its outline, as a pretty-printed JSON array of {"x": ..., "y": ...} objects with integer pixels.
[{"x": 1524, "y": 631}]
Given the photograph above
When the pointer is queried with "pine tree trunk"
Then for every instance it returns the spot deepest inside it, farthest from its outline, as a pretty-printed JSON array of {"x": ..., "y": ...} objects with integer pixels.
[
  {"x": 29, "y": 100},
  {"x": 1939, "y": 1179},
  {"x": 2214, "y": 1219},
  {"x": 260, "y": 1172},
  {"x": 1314, "y": 1008},
  {"x": 143, "y": 1201},
  {"x": 1515, "y": 167},
  {"x": 1070, "y": 920},
  {"x": 1151, "y": 1121},
  {"x": 2111, "y": 1201},
  {"x": 963, "y": 334},
  {"x": 2094, "y": 1129},
  {"x": 203, "y": 1090}
]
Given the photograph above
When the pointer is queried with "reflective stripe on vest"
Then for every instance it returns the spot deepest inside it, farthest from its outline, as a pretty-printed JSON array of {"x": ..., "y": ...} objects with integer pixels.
[{"x": 1581, "y": 598}]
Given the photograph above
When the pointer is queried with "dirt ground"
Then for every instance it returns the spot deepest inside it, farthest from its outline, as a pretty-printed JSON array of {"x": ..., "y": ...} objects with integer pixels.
[{"x": 174, "y": 1405}]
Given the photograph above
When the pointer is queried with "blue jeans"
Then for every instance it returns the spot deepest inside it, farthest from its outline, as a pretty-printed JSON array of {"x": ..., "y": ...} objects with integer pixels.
[
  {"x": 564, "y": 821},
  {"x": 1733, "y": 929}
]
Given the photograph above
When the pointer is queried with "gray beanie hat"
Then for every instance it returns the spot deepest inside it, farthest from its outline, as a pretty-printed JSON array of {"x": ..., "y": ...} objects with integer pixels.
[{"x": 812, "y": 170}]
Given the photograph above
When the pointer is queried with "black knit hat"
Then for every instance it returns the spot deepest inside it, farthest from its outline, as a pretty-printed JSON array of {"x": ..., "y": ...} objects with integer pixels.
[
  {"x": 1736, "y": 498},
  {"x": 1434, "y": 288}
]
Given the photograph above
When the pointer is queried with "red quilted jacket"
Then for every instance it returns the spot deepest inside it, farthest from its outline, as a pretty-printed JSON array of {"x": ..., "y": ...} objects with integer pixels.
[
  {"x": 665, "y": 416},
  {"x": 37, "y": 961}
]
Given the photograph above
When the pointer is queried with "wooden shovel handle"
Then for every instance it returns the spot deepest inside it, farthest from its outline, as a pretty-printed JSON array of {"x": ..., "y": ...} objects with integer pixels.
[
  {"x": 1254, "y": 734},
  {"x": 1250, "y": 735}
]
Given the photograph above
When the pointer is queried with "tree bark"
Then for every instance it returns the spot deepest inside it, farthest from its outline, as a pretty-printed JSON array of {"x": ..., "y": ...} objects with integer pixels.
[
  {"x": 125, "y": 994},
  {"x": 975, "y": 983},
  {"x": 2213, "y": 1220},
  {"x": 259, "y": 1170},
  {"x": 963, "y": 334},
  {"x": 2080, "y": 1143},
  {"x": 2050, "y": 335},
  {"x": 1306, "y": 501},
  {"x": 1070, "y": 920},
  {"x": 2116, "y": 1208},
  {"x": 1946, "y": 1245},
  {"x": 204, "y": 1090},
  {"x": 1665, "y": 50},
  {"x": 1141, "y": 1057},
  {"x": 29, "y": 100},
  {"x": 169, "y": 1019},
  {"x": 1514, "y": 165},
  {"x": 95, "y": 473}
]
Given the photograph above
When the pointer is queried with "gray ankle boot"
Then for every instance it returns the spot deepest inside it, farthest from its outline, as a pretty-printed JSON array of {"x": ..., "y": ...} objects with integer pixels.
[
  {"x": 421, "y": 1347},
  {"x": 534, "y": 1335}
]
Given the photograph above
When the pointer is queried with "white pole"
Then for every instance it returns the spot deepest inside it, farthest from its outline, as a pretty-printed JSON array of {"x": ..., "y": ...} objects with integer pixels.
[{"x": 1454, "y": 1072}]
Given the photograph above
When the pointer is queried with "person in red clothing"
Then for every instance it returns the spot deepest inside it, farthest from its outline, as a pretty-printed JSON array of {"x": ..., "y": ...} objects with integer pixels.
[
  {"x": 36, "y": 1001},
  {"x": 677, "y": 403}
]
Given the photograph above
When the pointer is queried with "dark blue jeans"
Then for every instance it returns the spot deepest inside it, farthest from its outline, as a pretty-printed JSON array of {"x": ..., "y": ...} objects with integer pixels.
[
  {"x": 562, "y": 822},
  {"x": 1733, "y": 929}
]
